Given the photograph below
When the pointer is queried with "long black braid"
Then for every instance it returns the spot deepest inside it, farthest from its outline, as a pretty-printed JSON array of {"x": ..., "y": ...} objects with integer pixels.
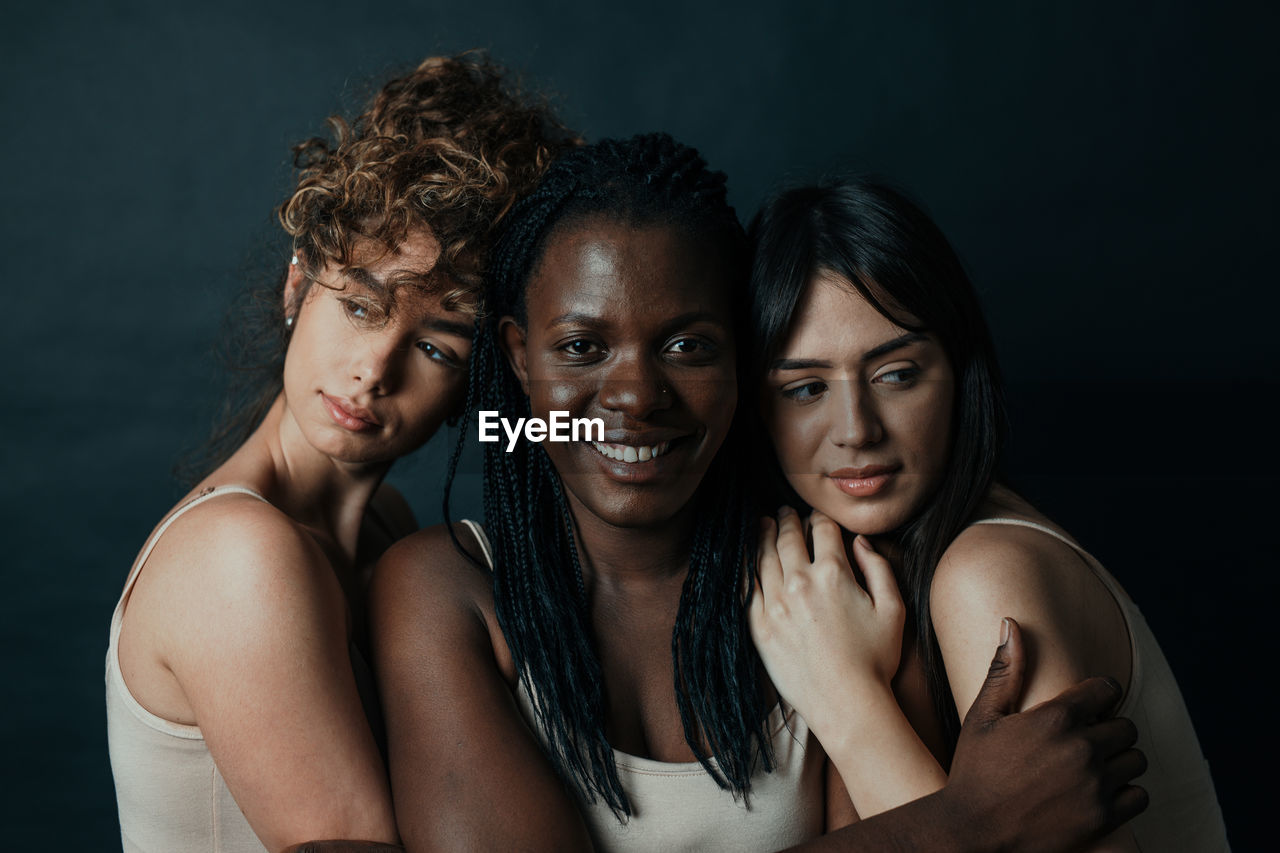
[{"x": 537, "y": 579}]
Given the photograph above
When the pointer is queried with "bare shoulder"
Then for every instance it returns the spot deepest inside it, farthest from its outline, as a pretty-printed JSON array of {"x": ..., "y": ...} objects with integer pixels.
[
  {"x": 232, "y": 587},
  {"x": 428, "y": 564},
  {"x": 998, "y": 561},
  {"x": 426, "y": 594},
  {"x": 1072, "y": 624},
  {"x": 236, "y": 565},
  {"x": 238, "y": 544}
]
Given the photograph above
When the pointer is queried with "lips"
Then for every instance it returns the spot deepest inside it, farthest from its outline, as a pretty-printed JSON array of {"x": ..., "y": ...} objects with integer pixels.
[
  {"x": 639, "y": 458},
  {"x": 865, "y": 481},
  {"x": 630, "y": 453},
  {"x": 349, "y": 415}
]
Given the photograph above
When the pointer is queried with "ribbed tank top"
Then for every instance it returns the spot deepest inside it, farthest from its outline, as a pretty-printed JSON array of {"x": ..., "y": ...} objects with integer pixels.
[
  {"x": 1184, "y": 814},
  {"x": 678, "y": 806},
  {"x": 170, "y": 794}
]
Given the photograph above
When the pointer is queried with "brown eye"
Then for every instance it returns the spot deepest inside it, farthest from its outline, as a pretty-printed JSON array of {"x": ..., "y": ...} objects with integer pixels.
[
  {"x": 687, "y": 346},
  {"x": 579, "y": 348}
]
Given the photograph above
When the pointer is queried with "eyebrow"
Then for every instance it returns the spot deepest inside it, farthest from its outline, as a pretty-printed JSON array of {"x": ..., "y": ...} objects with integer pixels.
[
  {"x": 582, "y": 318},
  {"x": 364, "y": 278},
  {"x": 873, "y": 353},
  {"x": 449, "y": 327},
  {"x": 577, "y": 318}
]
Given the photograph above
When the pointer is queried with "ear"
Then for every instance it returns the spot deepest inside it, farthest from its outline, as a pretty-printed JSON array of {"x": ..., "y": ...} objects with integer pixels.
[
  {"x": 512, "y": 340},
  {"x": 293, "y": 281}
]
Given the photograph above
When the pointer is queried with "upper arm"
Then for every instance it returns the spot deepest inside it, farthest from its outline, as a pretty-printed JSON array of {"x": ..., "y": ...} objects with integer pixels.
[
  {"x": 466, "y": 772},
  {"x": 1070, "y": 624},
  {"x": 257, "y": 639}
]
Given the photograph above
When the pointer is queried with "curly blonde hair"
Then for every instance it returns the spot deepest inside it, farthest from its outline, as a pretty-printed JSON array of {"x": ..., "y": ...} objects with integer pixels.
[{"x": 448, "y": 148}]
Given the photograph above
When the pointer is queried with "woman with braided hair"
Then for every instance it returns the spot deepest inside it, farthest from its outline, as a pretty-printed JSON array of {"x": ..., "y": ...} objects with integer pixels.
[
  {"x": 235, "y": 716},
  {"x": 578, "y": 674}
]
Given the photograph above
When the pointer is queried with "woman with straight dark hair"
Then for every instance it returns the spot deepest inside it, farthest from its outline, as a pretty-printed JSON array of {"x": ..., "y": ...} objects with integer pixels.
[
  {"x": 579, "y": 672},
  {"x": 881, "y": 394}
]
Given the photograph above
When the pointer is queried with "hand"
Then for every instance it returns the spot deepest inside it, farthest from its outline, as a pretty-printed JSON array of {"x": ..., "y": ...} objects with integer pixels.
[
  {"x": 1051, "y": 778},
  {"x": 824, "y": 640}
]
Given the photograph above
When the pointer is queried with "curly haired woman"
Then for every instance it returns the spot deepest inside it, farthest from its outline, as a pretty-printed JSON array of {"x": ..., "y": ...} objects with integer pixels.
[{"x": 235, "y": 703}]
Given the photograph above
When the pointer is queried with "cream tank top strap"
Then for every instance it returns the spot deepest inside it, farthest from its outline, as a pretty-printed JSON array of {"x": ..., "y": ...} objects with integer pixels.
[
  {"x": 478, "y": 532},
  {"x": 206, "y": 495}
]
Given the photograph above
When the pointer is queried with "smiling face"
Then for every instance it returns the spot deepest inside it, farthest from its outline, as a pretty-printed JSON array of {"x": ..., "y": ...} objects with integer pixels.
[
  {"x": 630, "y": 325},
  {"x": 859, "y": 410},
  {"x": 367, "y": 379}
]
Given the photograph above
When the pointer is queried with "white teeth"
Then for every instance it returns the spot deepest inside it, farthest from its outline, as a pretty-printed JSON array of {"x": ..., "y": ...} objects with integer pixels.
[{"x": 628, "y": 453}]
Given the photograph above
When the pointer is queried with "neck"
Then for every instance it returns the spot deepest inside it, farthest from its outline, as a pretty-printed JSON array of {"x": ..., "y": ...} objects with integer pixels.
[
  {"x": 320, "y": 493},
  {"x": 632, "y": 558}
]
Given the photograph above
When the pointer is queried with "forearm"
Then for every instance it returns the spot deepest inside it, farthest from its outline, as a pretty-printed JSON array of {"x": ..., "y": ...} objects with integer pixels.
[
  {"x": 880, "y": 758},
  {"x": 931, "y": 823},
  {"x": 343, "y": 846}
]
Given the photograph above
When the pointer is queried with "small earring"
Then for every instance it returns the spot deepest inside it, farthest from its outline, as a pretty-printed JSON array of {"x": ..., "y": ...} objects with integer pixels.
[
  {"x": 294, "y": 261},
  {"x": 288, "y": 322}
]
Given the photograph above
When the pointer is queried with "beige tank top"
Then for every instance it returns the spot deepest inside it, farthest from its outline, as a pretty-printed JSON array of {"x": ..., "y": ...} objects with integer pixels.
[
  {"x": 678, "y": 806},
  {"x": 170, "y": 794},
  {"x": 1184, "y": 814}
]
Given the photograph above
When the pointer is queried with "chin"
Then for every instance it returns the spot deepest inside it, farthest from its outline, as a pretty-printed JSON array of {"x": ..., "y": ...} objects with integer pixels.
[
  {"x": 351, "y": 450},
  {"x": 866, "y": 517},
  {"x": 632, "y": 506}
]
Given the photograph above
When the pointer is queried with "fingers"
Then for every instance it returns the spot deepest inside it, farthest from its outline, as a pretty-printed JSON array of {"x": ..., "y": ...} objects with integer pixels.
[
  {"x": 1113, "y": 736},
  {"x": 878, "y": 573},
  {"x": 1130, "y": 801},
  {"x": 791, "y": 547},
  {"x": 1091, "y": 700},
  {"x": 828, "y": 539},
  {"x": 768, "y": 564},
  {"x": 1002, "y": 691},
  {"x": 1126, "y": 767}
]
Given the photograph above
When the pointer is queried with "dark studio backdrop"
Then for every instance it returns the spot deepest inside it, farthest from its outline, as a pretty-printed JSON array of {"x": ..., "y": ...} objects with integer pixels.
[{"x": 1108, "y": 173}]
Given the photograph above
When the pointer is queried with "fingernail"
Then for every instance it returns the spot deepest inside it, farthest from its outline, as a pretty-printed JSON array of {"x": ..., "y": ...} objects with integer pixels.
[
  {"x": 784, "y": 509},
  {"x": 1004, "y": 631}
]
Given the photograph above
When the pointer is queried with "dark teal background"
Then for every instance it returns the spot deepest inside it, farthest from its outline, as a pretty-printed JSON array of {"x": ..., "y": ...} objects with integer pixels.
[{"x": 1107, "y": 171}]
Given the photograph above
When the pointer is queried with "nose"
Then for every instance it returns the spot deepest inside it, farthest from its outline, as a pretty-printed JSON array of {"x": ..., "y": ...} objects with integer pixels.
[
  {"x": 636, "y": 387},
  {"x": 376, "y": 363},
  {"x": 859, "y": 424}
]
